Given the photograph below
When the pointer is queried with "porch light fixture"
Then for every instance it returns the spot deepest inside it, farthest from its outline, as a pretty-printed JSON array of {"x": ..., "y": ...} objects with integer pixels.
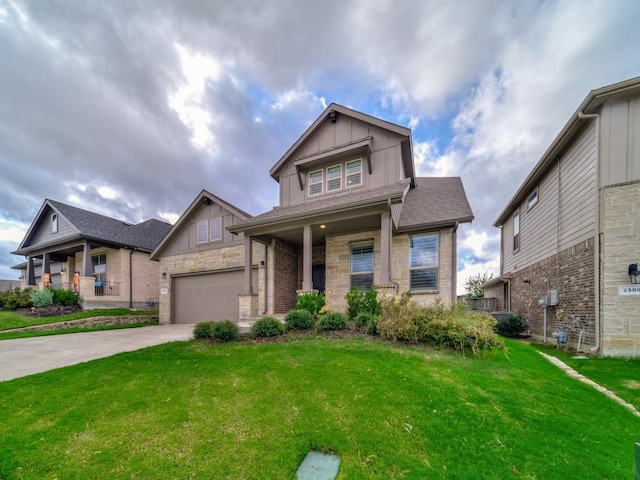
[
  {"x": 527, "y": 281},
  {"x": 333, "y": 116},
  {"x": 634, "y": 273},
  {"x": 164, "y": 274},
  {"x": 323, "y": 226}
]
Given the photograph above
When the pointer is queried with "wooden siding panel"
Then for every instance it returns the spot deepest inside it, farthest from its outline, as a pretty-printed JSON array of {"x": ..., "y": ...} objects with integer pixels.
[
  {"x": 44, "y": 235},
  {"x": 619, "y": 145},
  {"x": 539, "y": 224}
]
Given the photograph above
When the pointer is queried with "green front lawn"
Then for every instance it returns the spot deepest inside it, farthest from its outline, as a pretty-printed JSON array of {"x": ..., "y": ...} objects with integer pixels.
[
  {"x": 10, "y": 319},
  {"x": 252, "y": 411}
]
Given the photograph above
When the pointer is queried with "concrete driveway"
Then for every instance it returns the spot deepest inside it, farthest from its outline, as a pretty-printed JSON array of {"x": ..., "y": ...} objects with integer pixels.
[{"x": 26, "y": 356}]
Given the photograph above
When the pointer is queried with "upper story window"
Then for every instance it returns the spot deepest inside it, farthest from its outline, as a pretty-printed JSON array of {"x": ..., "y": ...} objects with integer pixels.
[
  {"x": 334, "y": 178},
  {"x": 215, "y": 229},
  {"x": 533, "y": 199},
  {"x": 516, "y": 231},
  {"x": 354, "y": 173},
  {"x": 203, "y": 231},
  {"x": 423, "y": 262},
  {"x": 315, "y": 182},
  {"x": 54, "y": 223}
]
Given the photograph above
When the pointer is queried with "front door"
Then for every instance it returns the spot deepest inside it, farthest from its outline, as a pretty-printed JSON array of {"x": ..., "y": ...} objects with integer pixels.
[{"x": 318, "y": 276}]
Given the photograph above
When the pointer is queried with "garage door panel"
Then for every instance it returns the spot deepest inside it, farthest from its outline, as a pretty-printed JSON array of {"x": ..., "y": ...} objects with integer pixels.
[{"x": 208, "y": 297}]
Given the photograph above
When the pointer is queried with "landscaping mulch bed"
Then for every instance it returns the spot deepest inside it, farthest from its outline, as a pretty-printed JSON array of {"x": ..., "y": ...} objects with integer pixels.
[{"x": 50, "y": 311}]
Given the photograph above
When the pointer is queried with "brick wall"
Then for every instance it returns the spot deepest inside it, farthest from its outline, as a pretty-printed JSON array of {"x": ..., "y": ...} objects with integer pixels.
[
  {"x": 285, "y": 277},
  {"x": 571, "y": 273}
]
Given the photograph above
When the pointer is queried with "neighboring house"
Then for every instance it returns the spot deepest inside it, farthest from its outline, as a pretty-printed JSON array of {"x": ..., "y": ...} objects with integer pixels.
[
  {"x": 6, "y": 285},
  {"x": 572, "y": 229},
  {"x": 352, "y": 212},
  {"x": 111, "y": 256}
]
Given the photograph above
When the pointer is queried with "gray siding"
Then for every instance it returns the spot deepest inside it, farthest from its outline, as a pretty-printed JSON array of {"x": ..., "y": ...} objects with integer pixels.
[
  {"x": 185, "y": 239},
  {"x": 386, "y": 160},
  {"x": 620, "y": 142},
  {"x": 545, "y": 228},
  {"x": 44, "y": 235}
]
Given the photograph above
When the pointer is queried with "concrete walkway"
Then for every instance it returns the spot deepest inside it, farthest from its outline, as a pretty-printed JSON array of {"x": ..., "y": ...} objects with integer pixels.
[{"x": 26, "y": 356}]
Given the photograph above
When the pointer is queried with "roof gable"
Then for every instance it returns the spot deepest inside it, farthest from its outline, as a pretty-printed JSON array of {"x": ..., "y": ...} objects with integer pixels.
[
  {"x": 203, "y": 197},
  {"x": 321, "y": 141}
]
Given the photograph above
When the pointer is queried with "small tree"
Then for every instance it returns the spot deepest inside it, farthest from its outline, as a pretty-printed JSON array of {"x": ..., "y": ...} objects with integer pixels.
[{"x": 474, "y": 283}]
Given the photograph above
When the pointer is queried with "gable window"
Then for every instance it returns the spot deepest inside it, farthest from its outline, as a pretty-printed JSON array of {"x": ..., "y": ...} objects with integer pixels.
[
  {"x": 362, "y": 265},
  {"x": 216, "y": 229},
  {"x": 516, "y": 231},
  {"x": 423, "y": 262},
  {"x": 315, "y": 182},
  {"x": 533, "y": 199},
  {"x": 203, "y": 231},
  {"x": 354, "y": 173},
  {"x": 54, "y": 223},
  {"x": 334, "y": 178},
  {"x": 99, "y": 263}
]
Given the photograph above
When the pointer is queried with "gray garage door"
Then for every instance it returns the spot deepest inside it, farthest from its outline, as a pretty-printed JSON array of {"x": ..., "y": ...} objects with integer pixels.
[{"x": 205, "y": 297}]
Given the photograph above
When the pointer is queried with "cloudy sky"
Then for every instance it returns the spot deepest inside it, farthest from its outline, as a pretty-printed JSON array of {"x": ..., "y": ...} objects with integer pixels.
[{"x": 129, "y": 109}]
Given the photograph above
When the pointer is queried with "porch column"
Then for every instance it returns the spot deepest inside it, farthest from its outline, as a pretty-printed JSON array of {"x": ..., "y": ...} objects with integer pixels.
[
  {"x": 307, "y": 247},
  {"x": 248, "y": 260},
  {"x": 86, "y": 270},
  {"x": 31, "y": 273},
  {"x": 385, "y": 248}
]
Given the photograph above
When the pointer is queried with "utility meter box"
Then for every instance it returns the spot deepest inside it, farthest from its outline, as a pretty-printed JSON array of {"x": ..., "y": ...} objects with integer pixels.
[{"x": 552, "y": 298}]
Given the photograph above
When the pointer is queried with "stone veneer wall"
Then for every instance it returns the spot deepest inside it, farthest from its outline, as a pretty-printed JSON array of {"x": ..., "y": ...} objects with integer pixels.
[
  {"x": 620, "y": 314},
  {"x": 200, "y": 262},
  {"x": 338, "y": 267},
  {"x": 576, "y": 292},
  {"x": 285, "y": 277}
]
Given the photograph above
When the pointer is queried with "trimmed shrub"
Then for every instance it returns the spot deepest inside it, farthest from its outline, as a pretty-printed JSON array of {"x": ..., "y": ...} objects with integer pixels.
[
  {"x": 300, "y": 319},
  {"x": 225, "y": 331},
  {"x": 370, "y": 303},
  {"x": 367, "y": 322},
  {"x": 203, "y": 330},
  {"x": 472, "y": 330},
  {"x": 267, "y": 327},
  {"x": 312, "y": 302},
  {"x": 65, "y": 297},
  {"x": 358, "y": 302},
  {"x": 331, "y": 321},
  {"x": 41, "y": 298},
  {"x": 511, "y": 326},
  {"x": 16, "y": 298}
]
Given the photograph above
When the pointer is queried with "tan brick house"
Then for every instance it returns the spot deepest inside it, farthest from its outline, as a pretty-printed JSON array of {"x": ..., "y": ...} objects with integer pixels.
[
  {"x": 111, "y": 256},
  {"x": 572, "y": 229},
  {"x": 352, "y": 212}
]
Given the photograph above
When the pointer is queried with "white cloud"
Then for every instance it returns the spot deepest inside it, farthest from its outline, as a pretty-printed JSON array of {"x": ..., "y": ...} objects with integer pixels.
[{"x": 12, "y": 232}]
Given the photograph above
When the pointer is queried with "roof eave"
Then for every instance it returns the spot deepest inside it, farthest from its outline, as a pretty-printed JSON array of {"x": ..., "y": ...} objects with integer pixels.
[{"x": 431, "y": 225}]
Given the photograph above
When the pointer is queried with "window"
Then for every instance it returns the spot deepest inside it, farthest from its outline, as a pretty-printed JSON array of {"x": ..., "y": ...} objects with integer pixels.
[
  {"x": 423, "y": 262},
  {"x": 362, "y": 266},
  {"x": 54, "y": 223},
  {"x": 216, "y": 229},
  {"x": 354, "y": 173},
  {"x": 334, "y": 178},
  {"x": 203, "y": 231},
  {"x": 516, "y": 231},
  {"x": 315, "y": 182},
  {"x": 533, "y": 199},
  {"x": 99, "y": 263}
]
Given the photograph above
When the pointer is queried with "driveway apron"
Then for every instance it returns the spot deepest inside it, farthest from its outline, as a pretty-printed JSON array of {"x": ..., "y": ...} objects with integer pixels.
[{"x": 26, "y": 356}]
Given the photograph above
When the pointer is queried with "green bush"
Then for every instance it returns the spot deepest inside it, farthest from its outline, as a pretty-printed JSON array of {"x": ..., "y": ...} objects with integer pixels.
[
  {"x": 65, "y": 297},
  {"x": 472, "y": 330},
  {"x": 225, "y": 331},
  {"x": 402, "y": 320},
  {"x": 203, "y": 330},
  {"x": 312, "y": 302},
  {"x": 16, "y": 298},
  {"x": 331, "y": 321},
  {"x": 299, "y": 319},
  {"x": 267, "y": 327},
  {"x": 367, "y": 322},
  {"x": 42, "y": 298},
  {"x": 358, "y": 302},
  {"x": 511, "y": 326}
]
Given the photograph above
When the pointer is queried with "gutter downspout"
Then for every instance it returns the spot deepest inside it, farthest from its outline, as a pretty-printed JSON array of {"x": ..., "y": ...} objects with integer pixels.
[
  {"x": 395, "y": 284},
  {"x": 131, "y": 279},
  {"x": 266, "y": 283},
  {"x": 454, "y": 263},
  {"x": 596, "y": 238}
]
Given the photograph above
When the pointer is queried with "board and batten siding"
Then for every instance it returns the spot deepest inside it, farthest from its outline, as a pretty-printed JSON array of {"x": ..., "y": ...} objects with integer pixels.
[
  {"x": 620, "y": 142},
  {"x": 572, "y": 182},
  {"x": 44, "y": 234}
]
